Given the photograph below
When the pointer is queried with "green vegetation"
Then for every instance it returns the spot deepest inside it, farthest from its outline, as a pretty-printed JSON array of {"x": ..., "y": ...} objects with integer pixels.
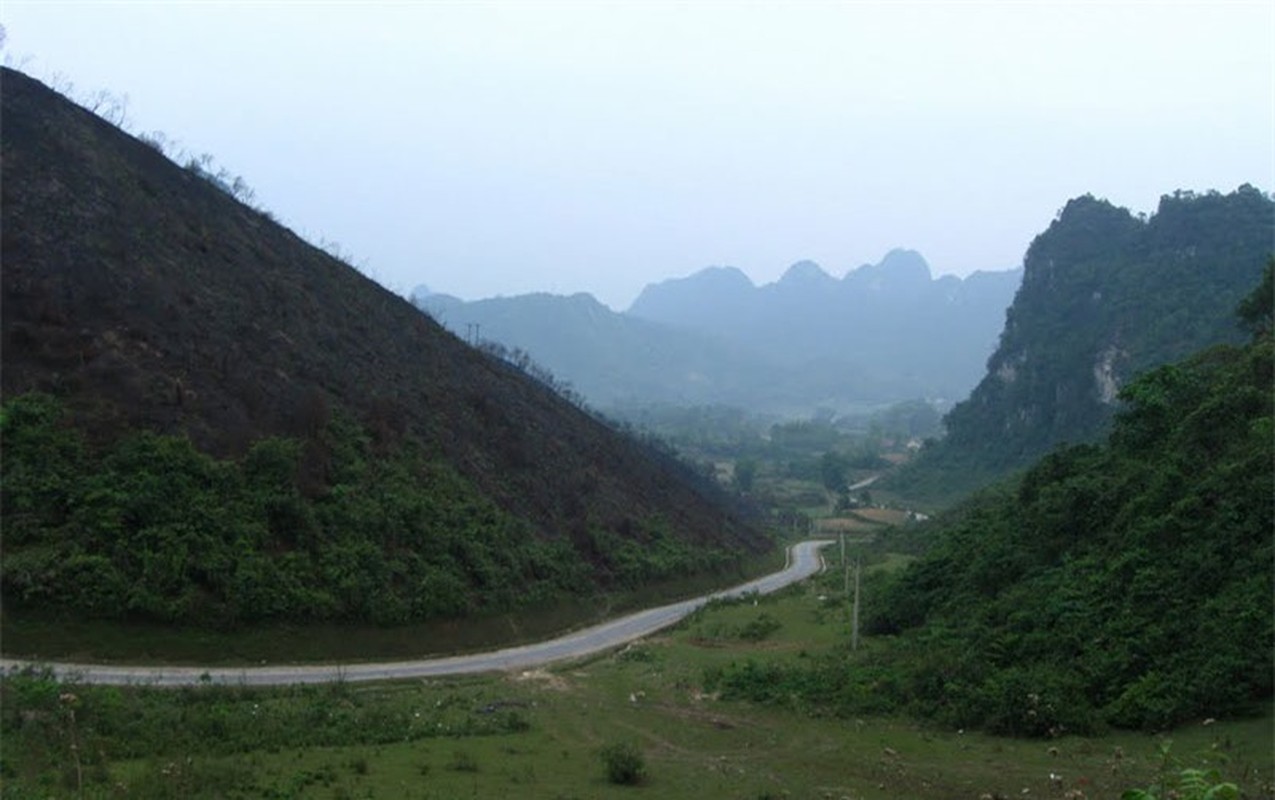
[
  {"x": 1123, "y": 585},
  {"x": 57, "y": 636},
  {"x": 1105, "y": 296},
  {"x": 71, "y": 735},
  {"x": 1186, "y": 783},
  {"x": 1255, "y": 311},
  {"x": 1111, "y": 590},
  {"x": 725, "y": 432},
  {"x": 623, "y": 764},
  {"x": 796, "y": 469},
  {"x": 540, "y": 734},
  {"x": 152, "y": 529}
]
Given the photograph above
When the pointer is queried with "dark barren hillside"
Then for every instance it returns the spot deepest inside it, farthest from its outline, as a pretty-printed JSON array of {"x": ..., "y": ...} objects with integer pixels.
[{"x": 144, "y": 298}]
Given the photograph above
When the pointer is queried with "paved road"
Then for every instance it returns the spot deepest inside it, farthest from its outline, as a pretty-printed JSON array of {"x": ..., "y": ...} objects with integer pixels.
[
  {"x": 803, "y": 561},
  {"x": 863, "y": 484}
]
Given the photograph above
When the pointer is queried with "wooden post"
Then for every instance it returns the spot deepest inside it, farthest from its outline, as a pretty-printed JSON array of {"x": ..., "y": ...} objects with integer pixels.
[
  {"x": 854, "y": 614},
  {"x": 845, "y": 568}
]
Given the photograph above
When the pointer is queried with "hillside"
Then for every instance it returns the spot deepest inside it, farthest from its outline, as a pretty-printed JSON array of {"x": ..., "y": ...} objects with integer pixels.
[
  {"x": 1072, "y": 567},
  {"x": 885, "y": 333},
  {"x": 226, "y": 411},
  {"x": 1123, "y": 584},
  {"x": 1105, "y": 295},
  {"x": 611, "y": 359}
]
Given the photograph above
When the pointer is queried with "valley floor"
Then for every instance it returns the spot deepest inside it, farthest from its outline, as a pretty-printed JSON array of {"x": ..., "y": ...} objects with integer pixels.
[{"x": 539, "y": 733}]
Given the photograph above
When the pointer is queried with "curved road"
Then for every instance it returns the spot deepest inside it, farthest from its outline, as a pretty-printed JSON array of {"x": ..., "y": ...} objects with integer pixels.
[{"x": 803, "y": 561}]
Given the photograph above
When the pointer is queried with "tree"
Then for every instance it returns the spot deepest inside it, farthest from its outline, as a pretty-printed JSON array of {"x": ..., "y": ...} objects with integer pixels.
[
  {"x": 832, "y": 470},
  {"x": 745, "y": 474},
  {"x": 1255, "y": 311}
]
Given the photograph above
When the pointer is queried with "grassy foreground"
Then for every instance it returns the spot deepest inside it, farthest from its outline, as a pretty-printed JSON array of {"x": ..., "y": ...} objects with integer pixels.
[{"x": 540, "y": 734}]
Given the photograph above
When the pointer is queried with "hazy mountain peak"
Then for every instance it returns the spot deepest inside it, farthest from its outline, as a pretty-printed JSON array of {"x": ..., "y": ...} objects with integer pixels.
[
  {"x": 898, "y": 267},
  {"x": 576, "y": 299},
  {"x": 681, "y": 295},
  {"x": 805, "y": 273},
  {"x": 725, "y": 276},
  {"x": 902, "y": 261},
  {"x": 708, "y": 278}
]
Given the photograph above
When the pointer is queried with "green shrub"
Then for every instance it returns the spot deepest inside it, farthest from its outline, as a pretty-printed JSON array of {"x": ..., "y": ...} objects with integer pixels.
[
  {"x": 759, "y": 628},
  {"x": 1184, "y": 783},
  {"x": 623, "y": 764},
  {"x": 149, "y": 527},
  {"x": 463, "y": 762}
]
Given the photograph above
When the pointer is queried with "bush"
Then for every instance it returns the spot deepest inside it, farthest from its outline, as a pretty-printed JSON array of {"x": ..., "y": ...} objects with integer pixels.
[
  {"x": 151, "y": 528},
  {"x": 623, "y": 764},
  {"x": 1184, "y": 783},
  {"x": 760, "y": 628}
]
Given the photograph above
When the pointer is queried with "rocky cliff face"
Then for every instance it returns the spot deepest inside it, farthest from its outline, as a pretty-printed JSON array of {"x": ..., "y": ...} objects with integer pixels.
[{"x": 1106, "y": 295}]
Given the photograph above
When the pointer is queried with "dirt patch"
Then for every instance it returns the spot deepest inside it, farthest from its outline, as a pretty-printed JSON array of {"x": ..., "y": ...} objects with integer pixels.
[
  {"x": 886, "y": 516},
  {"x": 548, "y": 680},
  {"x": 743, "y": 645},
  {"x": 846, "y": 525},
  {"x": 721, "y": 722}
]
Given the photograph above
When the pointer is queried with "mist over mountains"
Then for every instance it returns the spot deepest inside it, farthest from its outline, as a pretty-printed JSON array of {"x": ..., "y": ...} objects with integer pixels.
[{"x": 883, "y": 333}]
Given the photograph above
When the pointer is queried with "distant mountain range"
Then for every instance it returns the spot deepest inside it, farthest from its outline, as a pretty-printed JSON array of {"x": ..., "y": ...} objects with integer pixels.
[{"x": 883, "y": 333}]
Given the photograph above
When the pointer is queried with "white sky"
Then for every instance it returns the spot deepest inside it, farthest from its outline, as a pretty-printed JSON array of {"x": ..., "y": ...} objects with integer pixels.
[{"x": 502, "y": 148}]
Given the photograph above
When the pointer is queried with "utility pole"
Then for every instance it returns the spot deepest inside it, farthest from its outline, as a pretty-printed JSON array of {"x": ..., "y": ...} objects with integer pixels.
[
  {"x": 845, "y": 567},
  {"x": 854, "y": 614}
]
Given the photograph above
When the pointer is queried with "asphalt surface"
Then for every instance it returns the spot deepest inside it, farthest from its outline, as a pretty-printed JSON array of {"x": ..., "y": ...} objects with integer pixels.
[{"x": 803, "y": 561}]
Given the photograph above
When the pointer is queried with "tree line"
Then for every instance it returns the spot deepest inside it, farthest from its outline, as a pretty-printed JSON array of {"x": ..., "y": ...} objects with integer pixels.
[{"x": 151, "y": 528}]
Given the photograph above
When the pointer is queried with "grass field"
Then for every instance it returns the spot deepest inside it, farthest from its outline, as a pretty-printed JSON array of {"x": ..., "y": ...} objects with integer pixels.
[
  {"x": 539, "y": 734},
  {"x": 862, "y": 520},
  {"x": 883, "y": 516}
]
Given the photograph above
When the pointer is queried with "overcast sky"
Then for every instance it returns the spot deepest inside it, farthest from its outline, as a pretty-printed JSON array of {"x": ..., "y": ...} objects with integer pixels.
[{"x": 503, "y": 148}]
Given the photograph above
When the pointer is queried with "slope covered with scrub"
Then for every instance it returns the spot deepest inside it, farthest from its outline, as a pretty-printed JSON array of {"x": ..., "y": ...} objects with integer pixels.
[
  {"x": 1126, "y": 583},
  {"x": 206, "y": 418}
]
